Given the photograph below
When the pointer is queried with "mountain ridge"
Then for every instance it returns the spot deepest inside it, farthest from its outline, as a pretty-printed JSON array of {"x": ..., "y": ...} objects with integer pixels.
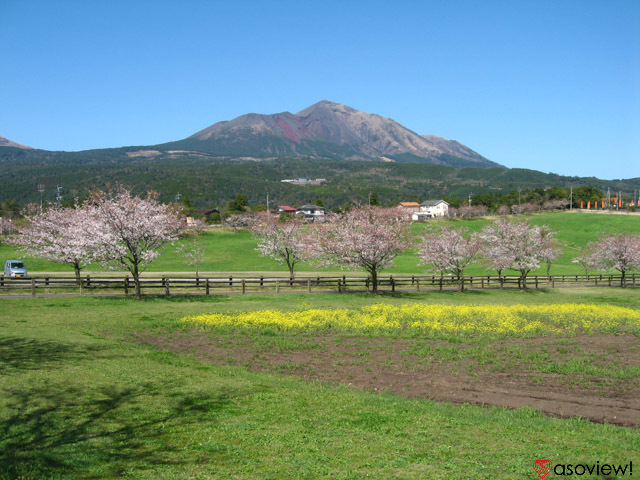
[
  {"x": 329, "y": 130},
  {"x": 324, "y": 130},
  {"x": 5, "y": 142}
]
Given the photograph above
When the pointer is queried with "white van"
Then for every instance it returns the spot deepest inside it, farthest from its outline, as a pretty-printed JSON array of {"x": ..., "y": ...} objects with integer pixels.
[{"x": 15, "y": 269}]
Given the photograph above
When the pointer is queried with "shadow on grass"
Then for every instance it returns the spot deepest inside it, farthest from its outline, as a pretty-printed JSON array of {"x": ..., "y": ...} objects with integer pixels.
[
  {"x": 30, "y": 354},
  {"x": 72, "y": 433}
]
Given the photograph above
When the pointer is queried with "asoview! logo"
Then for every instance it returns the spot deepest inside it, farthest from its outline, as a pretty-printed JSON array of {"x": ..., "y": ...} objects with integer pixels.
[{"x": 544, "y": 467}]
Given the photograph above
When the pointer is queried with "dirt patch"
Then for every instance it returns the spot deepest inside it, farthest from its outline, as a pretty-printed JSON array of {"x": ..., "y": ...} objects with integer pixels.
[{"x": 594, "y": 377}]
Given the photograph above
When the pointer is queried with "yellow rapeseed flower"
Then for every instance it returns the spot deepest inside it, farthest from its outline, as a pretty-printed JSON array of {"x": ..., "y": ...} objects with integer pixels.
[{"x": 437, "y": 320}]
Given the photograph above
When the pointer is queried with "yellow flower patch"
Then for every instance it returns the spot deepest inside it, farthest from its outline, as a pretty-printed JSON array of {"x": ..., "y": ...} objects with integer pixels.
[{"x": 438, "y": 320}]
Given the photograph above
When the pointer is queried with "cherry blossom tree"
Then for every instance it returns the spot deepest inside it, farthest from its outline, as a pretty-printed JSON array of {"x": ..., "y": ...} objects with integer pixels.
[
  {"x": 551, "y": 251},
  {"x": 517, "y": 245},
  {"x": 619, "y": 252},
  {"x": 495, "y": 238},
  {"x": 239, "y": 220},
  {"x": 503, "y": 210},
  {"x": 131, "y": 229},
  {"x": 587, "y": 259},
  {"x": 447, "y": 250},
  {"x": 279, "y": 239},
  {"x": 469, "y": 211},
  {"x": 364, "y": 237},
  {"x": 65, "y": 235},
  {"x": 193, "y": 251}
]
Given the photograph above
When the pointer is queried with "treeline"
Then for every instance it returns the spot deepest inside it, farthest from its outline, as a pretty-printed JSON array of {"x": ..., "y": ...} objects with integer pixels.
[
  {"x": 530, "y": 200},
  {"x": 212, "y": 182}
]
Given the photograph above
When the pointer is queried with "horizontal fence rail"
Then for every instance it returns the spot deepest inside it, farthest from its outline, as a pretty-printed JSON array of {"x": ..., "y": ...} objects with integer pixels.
[{"x": 211, "y": 285}]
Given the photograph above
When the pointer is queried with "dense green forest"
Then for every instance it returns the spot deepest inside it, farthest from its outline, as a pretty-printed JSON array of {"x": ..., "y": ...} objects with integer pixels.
[{"x": 212, "y": 182}]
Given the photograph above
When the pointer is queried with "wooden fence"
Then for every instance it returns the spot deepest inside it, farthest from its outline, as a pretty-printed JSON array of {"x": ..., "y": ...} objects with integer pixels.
[{"x": 212, "y": 285}]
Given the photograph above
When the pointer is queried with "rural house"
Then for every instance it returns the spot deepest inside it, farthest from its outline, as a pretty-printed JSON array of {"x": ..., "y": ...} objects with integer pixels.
[
  {"x": 286, "y": 209},
  {"x": 311, "y": 212},
  {"x": 409, "y": 207},
  {"x": 431, "y": 209}
]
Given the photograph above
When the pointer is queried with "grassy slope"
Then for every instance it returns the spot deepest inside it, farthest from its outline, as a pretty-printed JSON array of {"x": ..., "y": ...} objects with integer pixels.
[
  {"x": 228, "y": 251},
  {"x": 80, "y": 399}
]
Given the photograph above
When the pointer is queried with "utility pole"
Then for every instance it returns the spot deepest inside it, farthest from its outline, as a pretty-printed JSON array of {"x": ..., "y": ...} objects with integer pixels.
[
  {"x": 470, "y": 195},
  {"x": 267, "y": 201},
  {"x": 41, "y": 190},
  {"x": 571, "y": 199},
  {"x": 519, "y": 190},
  {"x": 58, "y": 194}
]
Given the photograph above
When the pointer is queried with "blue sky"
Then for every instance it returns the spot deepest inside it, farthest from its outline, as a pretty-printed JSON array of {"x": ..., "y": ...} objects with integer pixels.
[{"x": 548, "y": 85}]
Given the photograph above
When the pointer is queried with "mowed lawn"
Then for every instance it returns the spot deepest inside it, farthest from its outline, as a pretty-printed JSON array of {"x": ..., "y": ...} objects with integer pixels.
[
  {"x": 234, "y": 251},
  {"x": 81, "y": 396}
]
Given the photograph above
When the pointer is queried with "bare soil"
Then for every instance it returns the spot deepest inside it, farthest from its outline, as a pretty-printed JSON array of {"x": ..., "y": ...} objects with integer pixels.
[{"x": 511, "y": 373}]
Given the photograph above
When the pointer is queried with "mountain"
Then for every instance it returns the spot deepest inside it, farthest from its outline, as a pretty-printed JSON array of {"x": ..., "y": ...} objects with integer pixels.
[
  {"x": 5, "y": 142},
  {"x": 326, "y": 130}
]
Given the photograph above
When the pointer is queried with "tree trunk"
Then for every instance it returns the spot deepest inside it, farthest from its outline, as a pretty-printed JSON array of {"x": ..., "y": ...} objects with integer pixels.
[
  {"x": 76, "y": 268},
  {"x": 460, "y": 283},
  {"x": 523, "y": 278},
  {"x": 290, "y": 265},
  {"x": 374, "y": 280},
  {"x": 622, "y": 282},
  {"x": 136, "y": 281},
  {"x": 500, "y": 278}
]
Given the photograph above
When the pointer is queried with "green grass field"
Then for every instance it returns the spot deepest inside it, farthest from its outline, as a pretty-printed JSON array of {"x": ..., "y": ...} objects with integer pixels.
[
  {"x": 81, "y": 397},
  {"x": 229, "y": 251}
]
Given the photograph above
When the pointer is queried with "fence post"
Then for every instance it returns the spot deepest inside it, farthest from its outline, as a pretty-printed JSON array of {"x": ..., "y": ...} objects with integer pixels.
[
  {"x": 244, "y": 286},
  {"x": 277, "y": 286},
  {"x": 417, "y": 285},
  {"x": 88, "y": 281},
  {"x": 207, "y": 287},
  {"x": 231, "y": 282},
  {"x": 366, "y": 283},
  {"x": 2, "y": 281},
  {"x": 46, "y": 282},
  {"x": 33, "y": 287},
  {"x": 309, "y": 285},
  {"x": 482, "y": 283},
  {"x": 166, "y": 287},
  {"x": 553, "y": 282},
  {"x": 261, "y": 281},
  {"x": 393, "y": 283},
  {"x": 126, "y": 285},
  {"x": 81, "y": 289},
  {"x": 609, "y": 280},
  {"x": 339, "y": 285},
  {"x": 536, "y": 281}
]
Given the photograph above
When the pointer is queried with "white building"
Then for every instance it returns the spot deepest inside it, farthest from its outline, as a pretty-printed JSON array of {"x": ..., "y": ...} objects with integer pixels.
[
  {"x": 431, "y": 209},
  {"x": 311, "y": 211}
]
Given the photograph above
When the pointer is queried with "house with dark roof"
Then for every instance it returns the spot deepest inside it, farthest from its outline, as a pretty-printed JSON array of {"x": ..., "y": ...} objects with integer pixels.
[
  {"x": 311, "y": 212},
  {"x": 431, "y": 209}
]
